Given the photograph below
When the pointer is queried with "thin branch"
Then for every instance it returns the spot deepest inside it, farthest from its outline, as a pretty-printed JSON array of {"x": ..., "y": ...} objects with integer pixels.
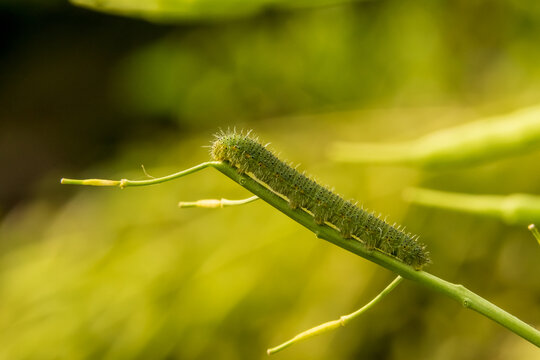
[
  {"x": 216, "y": 203},
  {"x": 147, "y": 174},
  {"x": 123, "y": 183},
  {"x": 334, "y": 324}
]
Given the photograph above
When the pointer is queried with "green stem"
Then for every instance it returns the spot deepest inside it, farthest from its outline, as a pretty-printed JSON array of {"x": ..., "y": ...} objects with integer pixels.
[
  {"x": 347, "y": 318},
  {"x": 457, "y": 292},
  {"x": 126, "y": 183},
  {"x": 334, "y": 324}
]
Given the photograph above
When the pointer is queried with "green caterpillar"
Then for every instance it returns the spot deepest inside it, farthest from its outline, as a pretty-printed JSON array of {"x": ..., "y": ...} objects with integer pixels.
[{"x": 244, "y": 152}]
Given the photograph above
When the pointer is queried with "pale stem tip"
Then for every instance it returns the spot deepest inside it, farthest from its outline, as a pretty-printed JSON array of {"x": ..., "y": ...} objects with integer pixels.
[
  {"x": 94, "y": 182},
  {"x": 535, "y": 232},
  {"x": 206, "y": 203}
]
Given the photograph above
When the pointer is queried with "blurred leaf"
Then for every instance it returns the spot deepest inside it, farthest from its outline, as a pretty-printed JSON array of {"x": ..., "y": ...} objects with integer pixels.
[
  {"x": 178, "y": 10},
  {"x": 512, "y": 209},
  {"x": 535, "y": 232},
  {"x": 475, "y": 142}
]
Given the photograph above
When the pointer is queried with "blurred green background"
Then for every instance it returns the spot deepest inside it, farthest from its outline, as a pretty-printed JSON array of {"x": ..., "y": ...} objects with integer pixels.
[{"x": 98, "y": 273}]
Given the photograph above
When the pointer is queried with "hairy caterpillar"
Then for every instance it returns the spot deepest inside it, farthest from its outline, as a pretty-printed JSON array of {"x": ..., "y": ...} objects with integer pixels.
[{"x": 244, "y": 152}]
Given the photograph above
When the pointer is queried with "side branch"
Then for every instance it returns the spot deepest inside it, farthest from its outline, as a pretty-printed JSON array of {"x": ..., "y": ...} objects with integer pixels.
[
  {"x": 125, "y": 182},
  {"x": 334, "y": 324},
  {"x": 216, "y": 203}
]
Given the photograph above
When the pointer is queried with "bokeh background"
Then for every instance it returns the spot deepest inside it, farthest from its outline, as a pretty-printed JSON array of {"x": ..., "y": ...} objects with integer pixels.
[{"x": 99, "y": 273}]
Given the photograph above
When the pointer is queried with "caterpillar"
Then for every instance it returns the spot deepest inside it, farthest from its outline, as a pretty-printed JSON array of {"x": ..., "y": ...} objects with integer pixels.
[{"x": 244, "y": 152}]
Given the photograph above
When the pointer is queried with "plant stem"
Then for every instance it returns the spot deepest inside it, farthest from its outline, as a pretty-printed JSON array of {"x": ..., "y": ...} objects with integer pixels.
[
  {"x": 126, "y": 183},
  {"x": 334, "y": 324},
  {"x": 457, "y": 292}
]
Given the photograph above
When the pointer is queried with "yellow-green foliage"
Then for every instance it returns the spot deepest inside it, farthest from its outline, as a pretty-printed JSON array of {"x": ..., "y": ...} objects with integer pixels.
[
  {"x": 513, "y": 209},
  {"x": 124, "y": 274},
  {"x": 176, "y": 10},
  {"x": 474, "y": 142}
]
